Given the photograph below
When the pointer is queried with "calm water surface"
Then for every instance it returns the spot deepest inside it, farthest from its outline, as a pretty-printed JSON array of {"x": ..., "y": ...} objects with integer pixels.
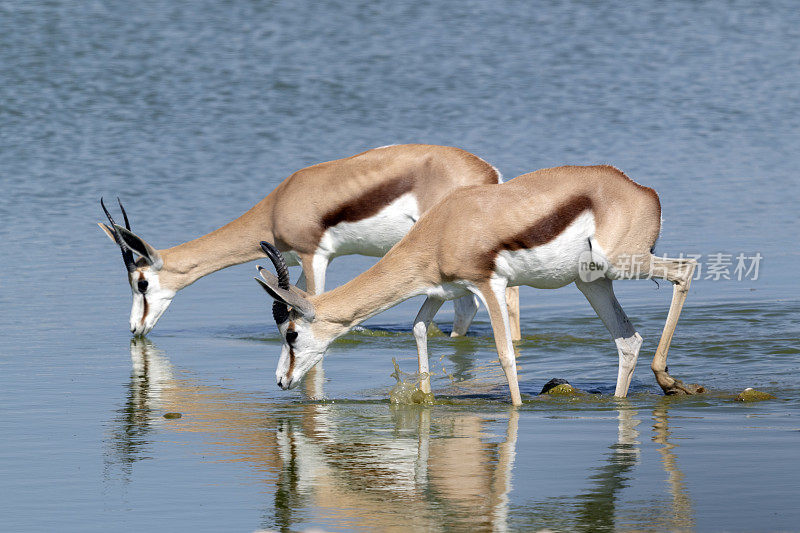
[{"x": 193, "y": 112}]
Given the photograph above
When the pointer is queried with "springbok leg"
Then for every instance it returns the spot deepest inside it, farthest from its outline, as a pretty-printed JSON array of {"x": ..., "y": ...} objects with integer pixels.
[
  {"x": 600, "y": 294},
  {"x": 679, "y": 272},
  {"x": 512, "y": 301},
  {"x": 493, "y": 294},
  {"x": 421, "y": 323},
  {"x": 465, "y": 309}
]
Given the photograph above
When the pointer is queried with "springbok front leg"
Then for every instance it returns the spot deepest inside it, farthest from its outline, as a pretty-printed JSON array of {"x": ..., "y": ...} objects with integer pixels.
[
  {"x": 679, "y": 272},
  {"x": 315, "y": 267},
  {"x": 512, "y": 301},
  {"x": 493, "y": 294},
  {"x": 466, "y": 307},
  {"x": 600, "y": 294},
  {"x": 421, "y": 323}
]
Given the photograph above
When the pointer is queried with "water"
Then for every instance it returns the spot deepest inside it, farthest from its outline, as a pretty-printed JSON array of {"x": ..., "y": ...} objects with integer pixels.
[{"x": 192, "y": 113}]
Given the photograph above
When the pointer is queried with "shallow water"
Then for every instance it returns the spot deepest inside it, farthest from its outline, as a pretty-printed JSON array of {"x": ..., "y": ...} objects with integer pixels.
[{"x": 193, "y": 113}]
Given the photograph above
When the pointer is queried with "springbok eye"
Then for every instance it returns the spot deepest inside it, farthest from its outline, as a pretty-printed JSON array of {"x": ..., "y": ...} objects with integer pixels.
[
  {"x": 142, "y": 285},
  {"x": 291, "y": 336}
]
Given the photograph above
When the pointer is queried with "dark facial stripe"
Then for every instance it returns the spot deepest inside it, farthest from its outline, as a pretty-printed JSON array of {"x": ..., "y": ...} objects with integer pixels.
[
  {"x": 543, "y": 231},
  {"x": 369, "y": 203},
  {"x": 291, "y": 364},
  {"x": 144, "y": 311},
  {"x": 291, "y": 352},
  {"x": 144, "y": 299}
]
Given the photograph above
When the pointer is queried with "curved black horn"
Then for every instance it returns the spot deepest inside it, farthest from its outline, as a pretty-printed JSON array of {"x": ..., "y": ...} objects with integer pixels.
[
  {"x": 280, "y": 311},
  {"x": 127, "y": 253},
  {"x": 124, "y": 214}
]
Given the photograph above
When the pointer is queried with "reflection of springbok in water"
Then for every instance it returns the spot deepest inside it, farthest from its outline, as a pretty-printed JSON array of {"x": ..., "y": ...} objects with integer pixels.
[
  {"x": 680, "y": 519},
  {"x": 603, "y": 505},
  {"x": 455, "y": 479},
  {"x": 432, "y": 469},
  {"x": 443, "y": 471}
]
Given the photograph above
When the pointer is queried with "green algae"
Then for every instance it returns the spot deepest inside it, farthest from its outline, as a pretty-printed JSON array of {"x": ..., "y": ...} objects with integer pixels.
[
  {"x": 752, "y": 395},
  {"x": 565, "y": 389}
]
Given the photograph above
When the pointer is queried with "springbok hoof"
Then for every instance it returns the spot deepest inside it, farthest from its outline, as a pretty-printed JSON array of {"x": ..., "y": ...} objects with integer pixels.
[{"x": 679, "y": 387}]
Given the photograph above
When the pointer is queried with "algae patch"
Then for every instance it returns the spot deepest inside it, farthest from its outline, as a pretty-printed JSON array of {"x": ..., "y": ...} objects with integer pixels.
[
  {"x": 564, "y": 390},
  {"x": 406, "y": 391},
  {"x": 752, "y": 395},
  {"x": 560, "y": 387}
]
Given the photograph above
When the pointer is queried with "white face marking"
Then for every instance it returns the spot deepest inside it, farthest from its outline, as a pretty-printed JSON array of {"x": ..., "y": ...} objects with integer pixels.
[
  {"x": 301, "y": 355},
  {"x": 372, "y": 236},
  {"x": 147, "y": 308},
  {"x": 550, "y": 265}
]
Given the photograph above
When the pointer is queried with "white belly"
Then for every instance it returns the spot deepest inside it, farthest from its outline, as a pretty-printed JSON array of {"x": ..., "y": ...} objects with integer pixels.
[
  {"x": 372, "y": 236},
  {"x": 550, "y": 265}
]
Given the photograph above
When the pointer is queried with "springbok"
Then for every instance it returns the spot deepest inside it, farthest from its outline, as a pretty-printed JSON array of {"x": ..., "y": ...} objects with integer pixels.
[
  {"x": 534, "y": 230},
  {"x": 362, "y": 204}
]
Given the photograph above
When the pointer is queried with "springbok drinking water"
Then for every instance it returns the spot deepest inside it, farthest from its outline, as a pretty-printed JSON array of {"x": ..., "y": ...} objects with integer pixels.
[
  {"x": 535, "y": 230},
  {"x": 362, "y": 204}
]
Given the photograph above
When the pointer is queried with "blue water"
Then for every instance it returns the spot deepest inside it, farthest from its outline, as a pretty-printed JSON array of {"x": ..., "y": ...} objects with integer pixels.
[{"x": 193, "y": 112}]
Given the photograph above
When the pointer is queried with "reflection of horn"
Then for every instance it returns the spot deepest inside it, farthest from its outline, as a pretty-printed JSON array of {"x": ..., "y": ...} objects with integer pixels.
[{"x": 681, "y": 515}]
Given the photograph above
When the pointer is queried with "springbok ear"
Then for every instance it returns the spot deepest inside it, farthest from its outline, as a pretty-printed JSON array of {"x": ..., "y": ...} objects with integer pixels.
[
  {"x": 293, "y": 297},
  {"x": 273, "y": 281},
  {"x": 140, "y": 246},
  {"x": 108, "y": 231}
]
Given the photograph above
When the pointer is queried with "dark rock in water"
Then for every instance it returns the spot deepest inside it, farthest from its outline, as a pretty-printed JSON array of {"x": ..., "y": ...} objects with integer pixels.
[
  {"x": 555, "y": 382},
  {"x": 752, "y": 395},
  {"x": 170, "y": 416}
]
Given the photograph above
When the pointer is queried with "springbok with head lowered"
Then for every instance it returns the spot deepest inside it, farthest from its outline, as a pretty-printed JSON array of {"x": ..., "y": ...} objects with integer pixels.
[
  {"x": 362, "y": 204},
  {"x": 535, "y": 230}
]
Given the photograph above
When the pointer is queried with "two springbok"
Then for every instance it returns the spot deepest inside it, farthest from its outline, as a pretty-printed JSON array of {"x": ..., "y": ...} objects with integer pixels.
[
  {"x": 362, "y": 204},
  {"x": 533, "y": 230}
]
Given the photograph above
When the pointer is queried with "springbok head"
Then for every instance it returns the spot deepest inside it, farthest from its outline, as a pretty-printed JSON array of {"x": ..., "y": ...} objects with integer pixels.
[
  {"x": 150, "y": 297},
  {"x": 305, "y": 338}
]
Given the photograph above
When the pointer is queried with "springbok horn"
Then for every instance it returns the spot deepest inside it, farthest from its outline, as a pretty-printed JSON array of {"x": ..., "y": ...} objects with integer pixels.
[
  {"x": 280, "y": 311},
  {"x": 124, "y": 214},
  {"x": 127, "y": 253}
]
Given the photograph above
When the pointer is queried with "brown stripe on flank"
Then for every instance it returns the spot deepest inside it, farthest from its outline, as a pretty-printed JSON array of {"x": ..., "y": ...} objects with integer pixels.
[
  {"x": 369, "y": 202},
  {"x": 542, "y": 231}
]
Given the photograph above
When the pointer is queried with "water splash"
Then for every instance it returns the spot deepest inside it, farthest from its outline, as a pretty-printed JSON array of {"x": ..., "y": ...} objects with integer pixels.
[{"x": 406, "y": 391}]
